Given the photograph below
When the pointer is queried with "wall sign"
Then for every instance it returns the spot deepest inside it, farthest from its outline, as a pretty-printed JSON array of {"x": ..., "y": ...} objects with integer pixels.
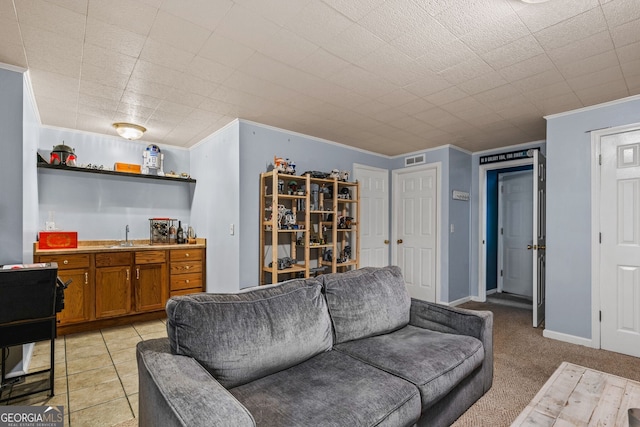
[{"x": 505, "y": 157}]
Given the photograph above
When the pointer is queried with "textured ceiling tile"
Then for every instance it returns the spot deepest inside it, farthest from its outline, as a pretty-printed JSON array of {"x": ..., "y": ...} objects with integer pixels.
[
  {"x": 418, "y": 42},
  {"x": 354, "y": 9},
  {"x": 514, "y": 52},
  {"x": 557, "y": 104},
  {"x": 626, "y": 33},
  {"x": 78, "y": 6},
  {"x": 428, "y": 85},
  {"x": 485, "y": 82},
  {"x": 394, "y": 18},
  {"x": 491, "y": 96},
  {"x": 541, "y": 92},
  {"x": 620, "y": 11},
  {"x": 571, "y": 30},
  {"x": 225, "y": 51},
  {"x": 322, "y": 63},
  {"x": 353, "y": 43},
  {"x": 597, "y": 78},
  {"x": 111, "y": 37},
  {"x": 398, "y": 97},
  {"x": 589, "y": 46},
  {"x": 503, "y": 31},
  {"x": 628, "y": 53},
  {"x": 7, "y": 10},
  {"x": 245, "y": 26},
  {"x": 288, "y": 47},
  {"x": 155, "y": 73},
  {"x": 107, "y": 77},
  {"x": 318, "y": 22},
  {"x": 54, "y": 85},
  {"x": 165, "y": 55},
  {"x": 604, "y": 93},
  {"x": 362, "y": 82},
  {"x": 130, "y": 15},
  {"x": 205, "y": 13},
  {"x": 148, "y": 87},
  {"x": 191, "y": 84},
  {"x": 446, "y": 96},
  {"x": 106, "y": 58},
  {"x": 588, "y": 65},
  {"x": 209, "y": 70},
  {"x": 447, "y": 55},
  {"x": 179, "y": 33},
  {"x": 631, "y": 69},
  {"x": 47, "y": 16},
  {"x": 99, "y": 89},
  {"x": 416, "y": 106},
  {"x": 189, "y": 99},
  {"x": 539, "y": 16},
  {"x": 474, "y": 15},
  {"x": 539, "y": 80},
  {"x": 527, "y": 68},
  {"x": 278, "y": 11}
]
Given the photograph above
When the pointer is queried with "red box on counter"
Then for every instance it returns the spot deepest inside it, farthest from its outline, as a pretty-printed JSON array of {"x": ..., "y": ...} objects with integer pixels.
[{"x": 58, "y": 239}]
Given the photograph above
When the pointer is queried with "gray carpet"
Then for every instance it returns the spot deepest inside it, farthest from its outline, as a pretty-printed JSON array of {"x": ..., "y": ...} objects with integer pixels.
[{"x": 523, "y": 361}]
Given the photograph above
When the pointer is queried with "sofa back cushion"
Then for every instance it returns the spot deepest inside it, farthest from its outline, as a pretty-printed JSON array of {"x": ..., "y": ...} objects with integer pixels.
[
  {"x": 366, "y": 302},
  {"x": 248, "y": 335}
]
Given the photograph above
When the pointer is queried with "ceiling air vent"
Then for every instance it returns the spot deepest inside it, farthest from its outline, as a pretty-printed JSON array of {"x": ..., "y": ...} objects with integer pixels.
[{"x": 415, "y": 160}]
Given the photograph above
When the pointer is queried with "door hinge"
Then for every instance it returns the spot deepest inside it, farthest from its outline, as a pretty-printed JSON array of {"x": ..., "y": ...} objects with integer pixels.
[
  {"x": 600, "y": 237},
  {"x": 501, "y": 230},
  {"x": 600, "y": 159},
  {"x": 501, "y": 271},
  {"x": 600, "y": 315},
  {"x": 502, "y": 188}
]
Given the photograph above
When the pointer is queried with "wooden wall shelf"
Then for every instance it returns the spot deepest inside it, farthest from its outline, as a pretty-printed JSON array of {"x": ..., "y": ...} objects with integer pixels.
[{"x": 113, "y": 173}]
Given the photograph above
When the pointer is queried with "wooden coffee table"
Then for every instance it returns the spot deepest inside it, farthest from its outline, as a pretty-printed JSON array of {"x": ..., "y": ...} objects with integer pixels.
[{"x": 579, "y": 396}]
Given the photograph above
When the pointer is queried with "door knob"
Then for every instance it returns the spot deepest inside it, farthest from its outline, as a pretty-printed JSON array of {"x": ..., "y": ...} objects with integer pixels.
[
  {"x": 386, "y": 242},
  {"x": 529, "y": 247},
  {"x": 399, "y": 241},
  {"x": 542, "y": 247}
]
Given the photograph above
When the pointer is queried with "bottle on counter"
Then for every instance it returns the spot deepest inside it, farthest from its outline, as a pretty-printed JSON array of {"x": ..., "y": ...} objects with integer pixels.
[
  {"x": 180, "y": 234},
  {"x": 172, "y": 233}
]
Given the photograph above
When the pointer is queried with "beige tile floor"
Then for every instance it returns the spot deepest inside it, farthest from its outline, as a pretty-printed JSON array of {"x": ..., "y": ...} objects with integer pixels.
[{"x": 96, "y": 375}]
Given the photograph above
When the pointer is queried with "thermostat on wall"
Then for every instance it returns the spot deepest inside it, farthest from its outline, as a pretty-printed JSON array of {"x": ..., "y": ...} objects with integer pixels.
[{"x": 460, "y": 195}]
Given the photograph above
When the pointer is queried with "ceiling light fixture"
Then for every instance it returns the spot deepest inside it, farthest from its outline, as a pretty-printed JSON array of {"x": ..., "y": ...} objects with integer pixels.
[{"x": 129, "y": 130}]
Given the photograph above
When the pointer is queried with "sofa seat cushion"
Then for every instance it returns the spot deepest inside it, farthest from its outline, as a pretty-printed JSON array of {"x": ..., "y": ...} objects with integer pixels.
[
  {"x": 435, "y": 362},
  {"x": 331, "y": 389},
  {"x": 244, "y": 336},
  {"x": 366, "y": 302}
]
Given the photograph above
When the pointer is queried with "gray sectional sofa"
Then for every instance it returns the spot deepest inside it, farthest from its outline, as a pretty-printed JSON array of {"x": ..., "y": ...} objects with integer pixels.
[{"x": 346, "y": 349}]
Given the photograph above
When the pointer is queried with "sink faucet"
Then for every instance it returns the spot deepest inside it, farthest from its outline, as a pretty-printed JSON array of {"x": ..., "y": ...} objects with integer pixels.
[{"x": 126, "y": 236}]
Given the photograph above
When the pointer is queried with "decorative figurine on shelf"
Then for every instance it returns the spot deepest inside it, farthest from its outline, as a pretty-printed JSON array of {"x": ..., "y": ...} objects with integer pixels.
[
  {"x": 335, "y": 174},
  {"x": 293, "y": 187},
  {"x": 344, "y": 175},
  {"x": 279, "y": 164},
  {"x": 152, "y": 160},
  {"x": 291, "y": 167},
  {"x": 289, "y": 220},
  {"x": 344, "y": 193},
  {"x": 344, "y": 222},
  {"x": 327, "y": 255}
]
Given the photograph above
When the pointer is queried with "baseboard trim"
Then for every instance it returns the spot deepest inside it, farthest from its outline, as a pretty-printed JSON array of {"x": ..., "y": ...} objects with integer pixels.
[
  {"x": 458, "y": 302},
  {"x": 572, "y": 339}
]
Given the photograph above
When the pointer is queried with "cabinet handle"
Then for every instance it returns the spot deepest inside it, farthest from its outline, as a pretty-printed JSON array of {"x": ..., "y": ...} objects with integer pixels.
[
  {"x": 138, "y": 273},
  {"x": 86, "y": 278},
  {"x": 127, "y": 274},
  {"x": 386, "y": 242},
  {"x": 186, "y": 281},
  {"x": 399, "y": 241},
  {"x": 186, "y": 254},
  {"x": 186, "y": 267},
  {"x": 66, "y": 261}
]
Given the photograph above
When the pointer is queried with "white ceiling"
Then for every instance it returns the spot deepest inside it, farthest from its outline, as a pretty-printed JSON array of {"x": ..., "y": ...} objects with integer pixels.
[{"x": 389, "y": 76}]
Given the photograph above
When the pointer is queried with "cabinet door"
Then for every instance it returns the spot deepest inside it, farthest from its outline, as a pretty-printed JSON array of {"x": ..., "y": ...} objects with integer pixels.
[
  {"x": 151, "y": 287},
  {"x": 77, "y": 296},
  {"x": 113, "y": 291}
]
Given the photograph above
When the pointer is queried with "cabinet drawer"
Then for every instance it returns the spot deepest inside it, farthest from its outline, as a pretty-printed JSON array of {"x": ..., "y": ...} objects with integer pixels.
[
  {"x": 109, "y": 259},
  {"x": 186, "y": 267},
  {"x": 185, "y": 292},
  {"x": 186, "y": 254},
  {"x": 186, "y": 281},
  {"x": 150, "y": 257},
  {"x": 67, "y": 261}
]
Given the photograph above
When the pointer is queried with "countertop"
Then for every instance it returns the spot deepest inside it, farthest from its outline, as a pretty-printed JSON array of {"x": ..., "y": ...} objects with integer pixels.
[{"x": 85, "y": 246}]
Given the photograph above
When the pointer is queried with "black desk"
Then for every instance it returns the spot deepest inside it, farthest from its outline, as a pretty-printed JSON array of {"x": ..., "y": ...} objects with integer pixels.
[{"x": 28, "y": 314}]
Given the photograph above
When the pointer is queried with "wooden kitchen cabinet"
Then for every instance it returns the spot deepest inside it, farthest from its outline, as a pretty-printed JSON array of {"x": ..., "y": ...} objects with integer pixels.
[
  {"x": 78, "y": 296},
  {"x": 186, "y": 271},
  {"x": 113, "y": 284},
  {"x": 150, "y": 280}
]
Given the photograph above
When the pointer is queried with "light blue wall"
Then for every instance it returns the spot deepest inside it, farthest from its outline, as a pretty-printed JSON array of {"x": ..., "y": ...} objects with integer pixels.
[
  {"x": 258, "y": 145},
  {"x": 30, "y": 138},
  {"x": 459, "y": 216},
  {"x": 11, "y": 167},
  {"x": 100, "y": 206},
  {"x": 474, "y": 206},
  {"x": 569, "y": 231},
  {"x": 216, "y": 206}
]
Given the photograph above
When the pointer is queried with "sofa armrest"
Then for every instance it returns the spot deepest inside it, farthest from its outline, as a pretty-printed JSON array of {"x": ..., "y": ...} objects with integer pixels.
[
  {"x": 453, "y": 320},
  {"x": 177, "y": 391}
]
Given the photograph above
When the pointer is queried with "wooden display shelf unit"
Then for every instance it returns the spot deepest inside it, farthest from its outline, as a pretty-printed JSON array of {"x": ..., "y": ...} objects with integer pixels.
[{"x": 299, "y": 219}]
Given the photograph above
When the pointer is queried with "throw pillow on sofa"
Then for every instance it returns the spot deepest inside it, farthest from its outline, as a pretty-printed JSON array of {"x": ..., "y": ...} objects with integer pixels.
[
  {"x": 245, "y": 336},
  {"x": 366, "y": 302}
]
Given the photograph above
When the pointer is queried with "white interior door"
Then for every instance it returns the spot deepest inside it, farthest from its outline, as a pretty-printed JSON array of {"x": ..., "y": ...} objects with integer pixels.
[
  {"x": 620, "y": 247},
  {"x": 515, "y": 233},
  {"x": 374, "y": 215},
  {"x": 539, "y": 236},
  {"x": 416, "y": 229}
]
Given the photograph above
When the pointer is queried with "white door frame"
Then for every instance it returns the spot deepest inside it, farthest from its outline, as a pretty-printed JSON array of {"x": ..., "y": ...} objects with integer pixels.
[
  {"x": 482, "y": 220},
  {"x": 595, "y": 225},
  {"x": 394, "y": 231},
  {"x": 361, "y": 167}
]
